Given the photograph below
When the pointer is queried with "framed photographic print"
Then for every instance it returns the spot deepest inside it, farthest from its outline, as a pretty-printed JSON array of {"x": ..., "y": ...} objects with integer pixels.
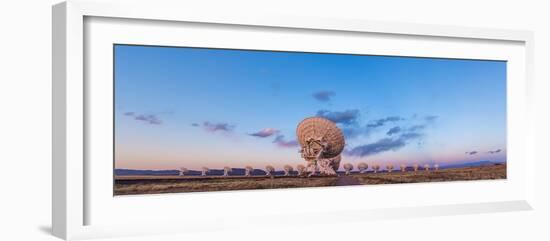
[
  {"x": 295, "y": 119},
  {"x": 173, "y": 112}
]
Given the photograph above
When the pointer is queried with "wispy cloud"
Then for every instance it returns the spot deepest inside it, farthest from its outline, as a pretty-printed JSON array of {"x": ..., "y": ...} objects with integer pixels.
[
  {"x": 352, "y": 132},
  {"x": 393, "y": 130},
  {"x": 399, "y": 137},
  {"x": 195, "y": 124},
  {"x": 383, "y": 121},
  {"x": 495, "y": 151},
  {"x": 379, "y": 146},
  {"x": 267, "y": 132},
  {"x": 431, "y": 118},
  {"x": 346, "y": 117},
  {"x": 383, "y": 145},
  {"x": 410, "y": 135},
  {"x": 151, "y": 119},
  {"x": 471, "y": 153},
  {"x": 416, "y": 128},
  {"x": 281, "y": 142},
  {"x": 324, "y": 95},
  {"x": 217, "y": 127}
]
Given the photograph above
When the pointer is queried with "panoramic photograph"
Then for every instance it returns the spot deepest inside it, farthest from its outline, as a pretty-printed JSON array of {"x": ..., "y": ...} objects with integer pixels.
[{"x": 190, "y": 119}]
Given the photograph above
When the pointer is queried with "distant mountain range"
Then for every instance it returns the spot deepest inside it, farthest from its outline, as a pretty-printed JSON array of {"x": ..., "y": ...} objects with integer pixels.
[
  {"x": 259, "y": 172},
  {"x": 470, "y": 164}
]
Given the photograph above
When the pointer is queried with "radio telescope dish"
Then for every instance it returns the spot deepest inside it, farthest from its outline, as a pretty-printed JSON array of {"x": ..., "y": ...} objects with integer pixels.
[
  {"x": 322, "y": 142},
  {"x": 335, "y": 162},
  {"x": 318, "y": 130}
]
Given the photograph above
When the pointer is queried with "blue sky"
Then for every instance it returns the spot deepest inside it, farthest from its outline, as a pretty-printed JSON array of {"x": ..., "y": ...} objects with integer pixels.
[{"x": 197, "y": 107}]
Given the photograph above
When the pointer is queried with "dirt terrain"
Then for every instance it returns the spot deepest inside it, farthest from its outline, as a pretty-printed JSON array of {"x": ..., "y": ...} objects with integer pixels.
[
  {"x": 445, "y": 175},
  {"x": 128, "y": 185},
  {"x": 346, "y": 181}
]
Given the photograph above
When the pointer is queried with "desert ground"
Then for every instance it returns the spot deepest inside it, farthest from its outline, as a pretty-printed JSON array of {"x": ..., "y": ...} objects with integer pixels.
[{"x": 130, "y": 185}]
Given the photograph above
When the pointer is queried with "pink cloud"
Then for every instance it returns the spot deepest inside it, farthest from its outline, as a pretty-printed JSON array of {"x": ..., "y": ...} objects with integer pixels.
[{"x": 267, "y": 132}]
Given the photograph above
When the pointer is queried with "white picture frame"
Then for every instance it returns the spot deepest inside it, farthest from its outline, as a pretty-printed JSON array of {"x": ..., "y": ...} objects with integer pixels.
[{"x": 78, "y": 195}]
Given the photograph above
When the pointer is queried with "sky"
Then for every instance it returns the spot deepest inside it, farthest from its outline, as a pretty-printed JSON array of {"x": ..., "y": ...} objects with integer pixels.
[{"x": 194, "y": 107}]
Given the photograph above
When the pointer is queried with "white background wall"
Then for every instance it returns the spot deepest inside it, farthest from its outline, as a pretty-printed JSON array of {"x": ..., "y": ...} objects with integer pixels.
[{"x": 25, "y": 118}]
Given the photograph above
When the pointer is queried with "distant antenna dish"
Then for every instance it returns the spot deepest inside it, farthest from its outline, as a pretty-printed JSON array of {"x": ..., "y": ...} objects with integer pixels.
[{"x": 322, "y": 142}]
